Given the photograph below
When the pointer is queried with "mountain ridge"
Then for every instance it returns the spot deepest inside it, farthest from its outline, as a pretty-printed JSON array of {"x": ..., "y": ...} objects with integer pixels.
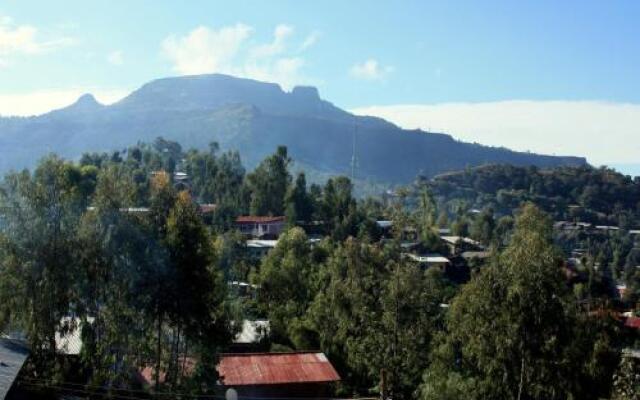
[{"x": 253, "y": 117}]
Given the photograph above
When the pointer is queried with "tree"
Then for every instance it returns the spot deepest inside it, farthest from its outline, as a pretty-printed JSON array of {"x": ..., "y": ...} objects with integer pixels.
[
  {"x": 39, "y": 243},
  {"x": 298, "y": 205},
  {"x": 285, "y": 280},
  {"x": 374, "y": 312},
  {"x": 626, "y": 382},
  {"x": 197, "y": 314},
  {"x": 268, "y": 184},
  {"x": 510, "y": 330}
]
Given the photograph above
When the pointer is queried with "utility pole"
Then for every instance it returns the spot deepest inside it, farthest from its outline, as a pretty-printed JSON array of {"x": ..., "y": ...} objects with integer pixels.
[{"x": 354, "y": 157}]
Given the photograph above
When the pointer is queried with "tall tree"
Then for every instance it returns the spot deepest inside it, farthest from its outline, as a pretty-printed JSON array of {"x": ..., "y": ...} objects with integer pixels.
[
  {"x": 510, "y": 331},
  {"x": 268, "y": 184},
  {"x": 298, "y": 206},
  {"x": 40, "y": 213}
]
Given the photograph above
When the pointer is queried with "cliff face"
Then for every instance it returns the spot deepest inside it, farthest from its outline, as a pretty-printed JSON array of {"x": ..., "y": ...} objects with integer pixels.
[{"x": 254, "y": 118}]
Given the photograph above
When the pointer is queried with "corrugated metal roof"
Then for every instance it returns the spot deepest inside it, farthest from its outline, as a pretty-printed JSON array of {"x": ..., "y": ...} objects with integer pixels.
[
  {"x": 250, "y": 219},
  {"x": 12, "y": 355},
  {"x": 632, "y": 322},
  {"x": 275, "y": 368}
]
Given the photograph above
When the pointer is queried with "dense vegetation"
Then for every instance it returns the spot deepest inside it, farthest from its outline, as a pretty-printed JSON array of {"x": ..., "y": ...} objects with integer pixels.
[{"x": 118, "y": 242}]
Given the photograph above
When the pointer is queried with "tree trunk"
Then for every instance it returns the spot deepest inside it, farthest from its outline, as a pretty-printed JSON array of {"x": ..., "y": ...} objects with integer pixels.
[
  {"x": 158, "y": 353},
  {"x": 521, "y": 384}
]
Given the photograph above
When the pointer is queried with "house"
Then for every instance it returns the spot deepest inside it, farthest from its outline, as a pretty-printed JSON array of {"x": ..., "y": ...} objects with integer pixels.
[
  {"x": 475, "y": 257},
  {"x": 632, "y": 323},
  {"x": 278, "y": 375},
  {"x": 242, "y": 288},
  {"x": 459, "y": 244},
  {"x": 260, "y": 227},
  {"x": 258, "y": 248},
  {"x": 13, "y": 354},
  {"x": 430, "y": 260}
]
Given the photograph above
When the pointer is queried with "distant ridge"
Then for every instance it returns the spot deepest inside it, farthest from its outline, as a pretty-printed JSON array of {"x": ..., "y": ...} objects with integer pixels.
[{"x": 253, "y": 117}]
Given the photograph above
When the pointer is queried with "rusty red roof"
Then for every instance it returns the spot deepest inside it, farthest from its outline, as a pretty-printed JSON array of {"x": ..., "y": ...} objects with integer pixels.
[
  {"x": 275, "y": 368},
  {"x": 251, "y": 219},
  {"x": 632, "y": 322}
]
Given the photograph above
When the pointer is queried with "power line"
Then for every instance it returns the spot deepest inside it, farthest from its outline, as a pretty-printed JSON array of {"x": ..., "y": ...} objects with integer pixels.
[{"x": 43, "y": 383}]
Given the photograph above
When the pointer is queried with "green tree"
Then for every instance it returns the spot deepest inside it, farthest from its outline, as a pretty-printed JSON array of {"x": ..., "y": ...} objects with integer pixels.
[
  {"x": 285, "y": 279},
  {"x": 626, "y": 382},
  {"x": 510, "y": 330},
  {"x": 298, "y": 206},
  {"x": 268, "y": 184},
  {"x": 39, "y": 243}
]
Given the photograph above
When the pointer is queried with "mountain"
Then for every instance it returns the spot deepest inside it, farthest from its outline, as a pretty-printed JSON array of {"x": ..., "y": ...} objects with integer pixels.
[{"x": 253, "y": 117}]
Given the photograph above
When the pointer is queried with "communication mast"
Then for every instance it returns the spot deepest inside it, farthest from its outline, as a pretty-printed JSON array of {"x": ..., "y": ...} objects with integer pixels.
[{"x": 354, "y": 157}]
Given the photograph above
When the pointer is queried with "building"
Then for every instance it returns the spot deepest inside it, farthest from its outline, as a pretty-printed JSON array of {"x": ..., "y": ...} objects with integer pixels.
[
  {"x": 13, "y": 354},
  {"x": 258, "y": 248},
  {"x": 260, "y": 227},
  {"x": 475, "y": 257},
  {"x": 430, "y": 260},
  {"x": 459, "y": 244},
  {"x": 278, "y": 375}
]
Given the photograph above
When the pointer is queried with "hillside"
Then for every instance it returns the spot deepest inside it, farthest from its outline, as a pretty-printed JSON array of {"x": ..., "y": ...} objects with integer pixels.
[
  {"x": 596, "y": 195},
  {"x": 252, "y": 117}
]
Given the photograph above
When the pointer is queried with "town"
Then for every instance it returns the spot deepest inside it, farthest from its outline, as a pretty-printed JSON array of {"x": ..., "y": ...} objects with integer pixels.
[{"x": 164, "y": 286}]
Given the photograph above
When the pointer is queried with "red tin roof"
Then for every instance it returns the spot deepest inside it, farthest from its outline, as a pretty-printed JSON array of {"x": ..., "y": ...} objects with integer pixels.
[
  {"x": 632, "y": 322},
  {"x": 275, "y": 368},
  {"x": 250, "y": 219}
]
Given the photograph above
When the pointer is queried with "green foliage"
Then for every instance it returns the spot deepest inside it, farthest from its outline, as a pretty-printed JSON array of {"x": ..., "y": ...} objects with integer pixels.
[
  {"x": 626, "y": 384},
  {"x": 510, "y": 331},
  {"x": 268, "y": 184},
  {"x": 285, "y": 278}
]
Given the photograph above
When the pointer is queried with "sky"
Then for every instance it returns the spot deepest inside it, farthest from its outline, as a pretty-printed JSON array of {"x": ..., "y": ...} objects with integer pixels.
[{"x": 545, "y": 76}]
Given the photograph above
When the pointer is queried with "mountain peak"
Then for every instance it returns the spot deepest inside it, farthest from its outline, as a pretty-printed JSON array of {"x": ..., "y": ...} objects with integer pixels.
[{"x": 86, "y": 102}]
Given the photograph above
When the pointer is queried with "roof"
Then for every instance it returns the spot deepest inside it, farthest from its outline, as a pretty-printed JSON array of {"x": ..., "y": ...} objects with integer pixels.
[
  {"x": 459, "y": 239},
  {"x": 262, "y": 244},
  {"x": 13, "y": 354},
  {"x": 251, "y": 219},
  {"x": 632, "y": 322},
  {"x": 146, "y": 374},
  {"x": 475, "y": 254},
  {"x": 384, "y": 224},
  {"x": 275, "y": 368},
  {"x": 428, "y": 258}
]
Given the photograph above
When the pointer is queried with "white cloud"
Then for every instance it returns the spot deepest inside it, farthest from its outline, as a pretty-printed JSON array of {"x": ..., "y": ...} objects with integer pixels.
[
  {"x": 277, "y": 46},
  {"x": 370, "y": 70},
  {"x": 42, "y": 101},
  {"x": 206, "y": 50},
  {"x": 115, "y": 58},
  {"x": 310, "y": 40},
  {"x": 25, "y": 40},
  {"x": 603, "y": 132},
  {"x": 228, "y": 51}
]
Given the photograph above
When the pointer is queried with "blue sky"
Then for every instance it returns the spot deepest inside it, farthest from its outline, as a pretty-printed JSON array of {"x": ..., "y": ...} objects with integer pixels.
[{"x": 448, "y": 60}]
